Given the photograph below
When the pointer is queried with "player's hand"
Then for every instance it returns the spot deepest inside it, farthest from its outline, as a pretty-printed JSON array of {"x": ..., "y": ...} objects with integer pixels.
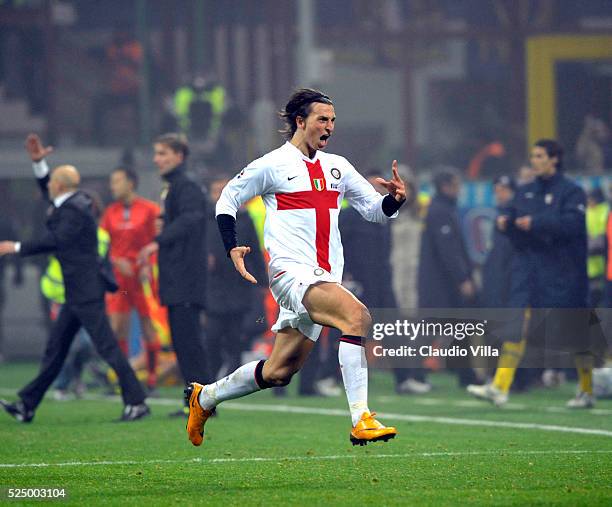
[
  {"x": 212, "y": 262},
  {"x": 237, "y": 254},
  {"x": 159, "y": 225},
  {"x": 124, "y": 266},
  {"x": 523, "y": 223},
  {"x": 502, "y": 222},
  {"x": 467, "y": 289},
  {"x": 395, "y": 186},
  {"x": 146, "y": 252},
  {"x": 145, "y": 273},
  {"x": 7, "y": 247},
  {"x": 35, "y": 148}
]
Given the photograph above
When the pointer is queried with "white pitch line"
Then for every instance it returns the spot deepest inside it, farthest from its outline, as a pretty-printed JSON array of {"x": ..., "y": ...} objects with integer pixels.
[
  {"x": 293, "y": 409},
  {"x": 480, "y": 403},
  {"x": 217, "y": 461},
  {"x": 420, "y": 418}
]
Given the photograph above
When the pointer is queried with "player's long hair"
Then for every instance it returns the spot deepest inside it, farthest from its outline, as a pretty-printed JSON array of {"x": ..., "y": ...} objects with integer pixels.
[{"x": 299, "y": 105}]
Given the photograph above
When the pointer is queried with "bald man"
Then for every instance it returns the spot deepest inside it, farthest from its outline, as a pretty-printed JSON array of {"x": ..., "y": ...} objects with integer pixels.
[{"x": 72, "y": 236}]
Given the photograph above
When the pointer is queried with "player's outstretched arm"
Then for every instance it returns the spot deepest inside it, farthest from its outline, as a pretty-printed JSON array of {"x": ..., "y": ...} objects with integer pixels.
[
  {"x": 237, "y": 254},
  {"x": 395, "y": 186}
]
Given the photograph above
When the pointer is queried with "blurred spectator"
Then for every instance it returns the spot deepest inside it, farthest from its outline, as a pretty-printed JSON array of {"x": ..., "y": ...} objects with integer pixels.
[
  {"x": 525, "y": 174},
  {"x": 124, "y": 59},
  {"x": 229, "y": 297},
  {"x": 597, "y": 214},
  {"x": 494, "y": 149},
  {"x": 181, "y": 242},
  {"x": 445, "y": 269},
  {"x": 7, "y": 232},
  {"x": 199, "y": 108},
  {"x": 546, "y": 224},
  {"x": 497, "y": 272},
  {"x": 406, "y": 244},
  {"x": 594, "y": 147}
]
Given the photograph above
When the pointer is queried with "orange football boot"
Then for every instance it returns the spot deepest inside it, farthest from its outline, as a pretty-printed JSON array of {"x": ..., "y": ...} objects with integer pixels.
[
  {"x": 197, "y": 415},
  {"x": 369, "y": 429}
]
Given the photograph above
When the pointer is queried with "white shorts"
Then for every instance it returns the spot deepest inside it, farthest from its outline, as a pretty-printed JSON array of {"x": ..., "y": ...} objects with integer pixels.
[{"x": 288, "y": 288}]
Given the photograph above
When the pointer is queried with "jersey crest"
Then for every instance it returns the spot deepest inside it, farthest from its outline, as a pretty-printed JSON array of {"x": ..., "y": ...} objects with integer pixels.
[{"x": 319, "y": 184}]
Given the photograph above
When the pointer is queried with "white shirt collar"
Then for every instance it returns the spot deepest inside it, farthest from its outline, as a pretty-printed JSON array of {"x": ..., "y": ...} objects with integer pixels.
[
  {"x": 299, "y": 152},
  {"x": 61, "y": 199}
]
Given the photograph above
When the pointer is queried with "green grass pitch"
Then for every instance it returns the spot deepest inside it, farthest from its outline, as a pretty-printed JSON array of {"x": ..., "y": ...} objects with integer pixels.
[{"x": 265, "y": 450}]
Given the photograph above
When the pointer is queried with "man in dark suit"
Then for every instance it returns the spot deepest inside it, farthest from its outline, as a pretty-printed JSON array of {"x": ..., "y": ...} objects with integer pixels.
[
  {"x": 182, "y": 257},
  {"x": 72, "y": 236},
  {"x": 497, "y": 269},
  {"x": 445, "y": 270}
]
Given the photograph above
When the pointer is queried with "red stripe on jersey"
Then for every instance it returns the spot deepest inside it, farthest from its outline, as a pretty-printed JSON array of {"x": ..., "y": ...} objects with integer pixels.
[{"x": 321, "y": 201}]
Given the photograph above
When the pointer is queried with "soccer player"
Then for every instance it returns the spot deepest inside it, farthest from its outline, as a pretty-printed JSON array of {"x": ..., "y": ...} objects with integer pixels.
[
  {"x": 302, "y": 188},
  {"x": 130, "y": 222}
]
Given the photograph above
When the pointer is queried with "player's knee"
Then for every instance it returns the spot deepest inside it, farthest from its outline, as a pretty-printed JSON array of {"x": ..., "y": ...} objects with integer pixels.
[
  {"x": 366, "y": 319},
  {"x": 361, "y": 321}
]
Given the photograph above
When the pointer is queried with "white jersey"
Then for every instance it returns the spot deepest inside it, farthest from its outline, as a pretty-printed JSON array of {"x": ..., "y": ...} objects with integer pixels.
[{"x": 303, "y": 198}]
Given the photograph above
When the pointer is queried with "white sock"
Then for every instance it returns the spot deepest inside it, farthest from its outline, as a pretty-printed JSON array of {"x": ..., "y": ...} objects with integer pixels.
[
  {"x": 355, "y": 376},
  {"x": 237, "y": 384}
]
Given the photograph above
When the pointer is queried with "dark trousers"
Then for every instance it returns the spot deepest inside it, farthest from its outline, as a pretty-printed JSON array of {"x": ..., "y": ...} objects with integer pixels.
[
  {"x": 186, "y": 332},
  {"x": 224, "y": 341},
  {"x": 91, "y": 316},
  {"x": 80, "y": 354}
]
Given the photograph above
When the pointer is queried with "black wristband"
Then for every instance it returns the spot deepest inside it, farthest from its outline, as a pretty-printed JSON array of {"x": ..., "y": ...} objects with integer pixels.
[
  {"x": 390, "y": 205},
  {"x": 227, "y": 228}
]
